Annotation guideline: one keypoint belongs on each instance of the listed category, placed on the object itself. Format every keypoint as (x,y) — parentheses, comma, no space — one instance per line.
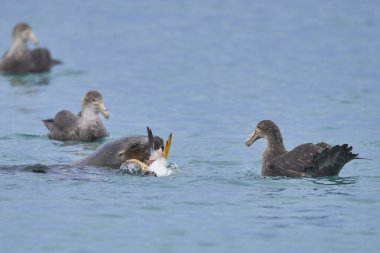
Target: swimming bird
(86,126)
(306,160)
(156,165)
(20,59)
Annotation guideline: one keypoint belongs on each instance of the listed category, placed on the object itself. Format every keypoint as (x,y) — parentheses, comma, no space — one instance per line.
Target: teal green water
(207,71)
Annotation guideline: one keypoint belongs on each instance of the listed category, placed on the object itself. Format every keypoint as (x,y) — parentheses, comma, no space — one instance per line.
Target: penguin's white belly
(160,167)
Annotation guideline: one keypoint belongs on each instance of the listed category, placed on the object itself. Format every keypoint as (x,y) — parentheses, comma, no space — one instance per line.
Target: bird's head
(94,100)
(23,32)
(264,129)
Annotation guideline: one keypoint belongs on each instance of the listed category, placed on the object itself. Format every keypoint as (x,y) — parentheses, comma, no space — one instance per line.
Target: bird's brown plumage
(304,160)
(86,126)
(19,59)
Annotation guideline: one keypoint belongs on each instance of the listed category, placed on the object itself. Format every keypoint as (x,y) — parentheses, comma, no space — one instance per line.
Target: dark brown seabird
(306,160)
(87,126)
(19,59)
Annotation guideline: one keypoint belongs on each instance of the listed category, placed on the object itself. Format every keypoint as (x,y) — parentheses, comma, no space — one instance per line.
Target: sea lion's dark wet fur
(112,154)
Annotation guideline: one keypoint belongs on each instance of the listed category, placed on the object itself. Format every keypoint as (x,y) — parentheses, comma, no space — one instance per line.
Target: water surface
(207,71)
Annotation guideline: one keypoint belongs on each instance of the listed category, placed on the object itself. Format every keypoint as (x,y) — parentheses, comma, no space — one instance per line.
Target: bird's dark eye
(93,100)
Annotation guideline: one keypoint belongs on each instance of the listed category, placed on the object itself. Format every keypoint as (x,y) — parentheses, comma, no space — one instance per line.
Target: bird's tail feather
(55,62)
(331,161)
(48,123)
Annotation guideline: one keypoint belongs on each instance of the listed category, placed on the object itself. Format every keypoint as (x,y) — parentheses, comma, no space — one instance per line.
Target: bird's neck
(18,48)
(274,148)
(88,115)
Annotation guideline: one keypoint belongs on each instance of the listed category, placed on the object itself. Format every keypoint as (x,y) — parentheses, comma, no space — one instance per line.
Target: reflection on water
(68,72)
(67,170)
(32,79)
(71,172)
(86,146)
(334,180)
(21,137)
(37,168)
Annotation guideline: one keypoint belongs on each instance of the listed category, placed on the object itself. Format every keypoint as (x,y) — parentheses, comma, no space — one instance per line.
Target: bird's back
(311,160)
(42,60)
(62,127)
(293,163)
